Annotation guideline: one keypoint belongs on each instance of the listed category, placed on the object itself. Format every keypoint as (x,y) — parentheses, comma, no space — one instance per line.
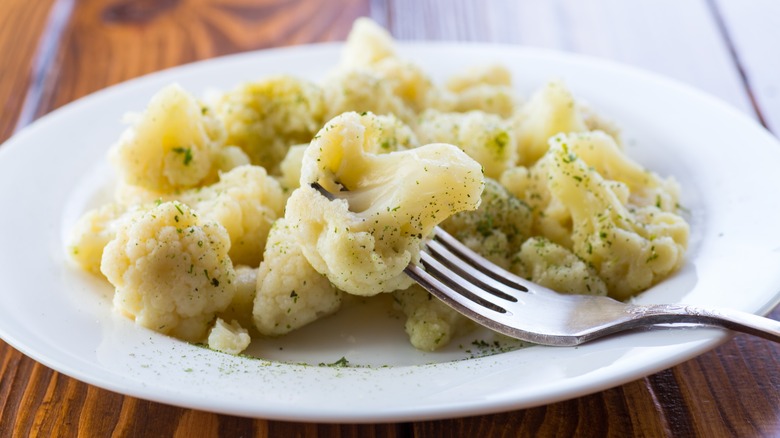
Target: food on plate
(497,228)
(631,246)
(556,267)
(171,270)
(265,117)
(228,337)
(290,293)
(429,323)
(177,143)
(216,234)
(485,137)
(385,206)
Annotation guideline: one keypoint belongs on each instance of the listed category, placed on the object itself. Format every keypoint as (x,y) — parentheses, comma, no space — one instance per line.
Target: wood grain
(642,34)
(21,28)
(731,391)
(110,41)
(749,27)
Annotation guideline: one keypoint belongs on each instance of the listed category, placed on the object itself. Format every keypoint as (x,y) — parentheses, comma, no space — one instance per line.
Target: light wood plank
(754,30)
(677,39)
(720,393)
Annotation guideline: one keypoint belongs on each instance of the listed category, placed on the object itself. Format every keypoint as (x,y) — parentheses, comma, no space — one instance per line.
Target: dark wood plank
(108,42)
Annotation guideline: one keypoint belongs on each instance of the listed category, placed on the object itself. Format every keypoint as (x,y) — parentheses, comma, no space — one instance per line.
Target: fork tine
(477,261)
(474,307)
(454,281)
(465,268)
(461,299)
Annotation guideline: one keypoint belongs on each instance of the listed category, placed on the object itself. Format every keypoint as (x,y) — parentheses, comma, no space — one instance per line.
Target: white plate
(53,170)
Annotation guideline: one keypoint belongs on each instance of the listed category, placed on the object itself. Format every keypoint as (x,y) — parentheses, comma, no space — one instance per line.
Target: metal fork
(516,307)
(509,304)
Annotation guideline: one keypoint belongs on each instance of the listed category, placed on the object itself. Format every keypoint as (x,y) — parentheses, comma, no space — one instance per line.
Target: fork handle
(726,318)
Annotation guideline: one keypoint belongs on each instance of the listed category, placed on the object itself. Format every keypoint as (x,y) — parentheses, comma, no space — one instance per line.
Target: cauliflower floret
(360,90)
(551,219)
(92,232)
(603,153)
(363,241)
(484,137)
(228,158)
(550,111)
(266,117)
(632,248)
(386,131)
(240,308)
(596,122)
(630,182)
(371,47)
(485,88)
(228,338)
(557,268)
(246,201)
(496,229)
(366,44)
(496,75)
(290,167)
(492,99)
(410,83)
(290,293)
(175,144)
(430,323)
(171,271)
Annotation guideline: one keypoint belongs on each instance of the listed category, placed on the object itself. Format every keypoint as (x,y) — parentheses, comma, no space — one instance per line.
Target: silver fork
(516,307)
(508,304)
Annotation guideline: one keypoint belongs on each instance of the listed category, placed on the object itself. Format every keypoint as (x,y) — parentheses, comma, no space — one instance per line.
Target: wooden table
(55,51)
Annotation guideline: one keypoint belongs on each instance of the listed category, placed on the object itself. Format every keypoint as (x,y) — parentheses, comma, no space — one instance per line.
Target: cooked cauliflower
(367,43)
(631,183)
(485,88)
(228,338)
(360,90)
(290,293)
(92,232)
(557,268)
(371,47)
(550,111)
(631,248)
(175,144)
(171,271)
(240,308)
(266,117)
(290,167)
(410,83)
(603,153)
(204,187)
(484,137)
(386,131)
(596,122)
(496,229)
(363,241)
(430,323)
(246,201)
(551,218)
(492,99)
